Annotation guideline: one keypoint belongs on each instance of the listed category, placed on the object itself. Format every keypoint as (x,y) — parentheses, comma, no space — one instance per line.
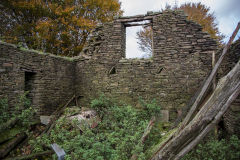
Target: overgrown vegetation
(213,149)
(117,136)
(59,27)
(22,111)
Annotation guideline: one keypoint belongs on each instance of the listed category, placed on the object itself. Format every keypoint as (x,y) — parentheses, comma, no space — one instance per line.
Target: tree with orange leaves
(200,13)
(57,26)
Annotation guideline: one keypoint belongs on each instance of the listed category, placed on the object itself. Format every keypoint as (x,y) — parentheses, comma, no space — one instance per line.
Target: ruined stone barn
(182,59)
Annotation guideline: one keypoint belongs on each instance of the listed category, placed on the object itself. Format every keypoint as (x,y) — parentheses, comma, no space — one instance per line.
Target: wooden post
(208,82)
(213,64)
(152,41)
(175,142)
(76,100)
(210,114)
(214,86)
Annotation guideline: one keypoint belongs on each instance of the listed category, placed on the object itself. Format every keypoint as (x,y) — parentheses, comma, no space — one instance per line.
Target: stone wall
(49,79)
(181,60)
(231,118)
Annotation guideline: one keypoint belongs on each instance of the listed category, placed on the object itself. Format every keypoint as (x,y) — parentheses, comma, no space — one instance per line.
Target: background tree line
(62,27)
(57,26)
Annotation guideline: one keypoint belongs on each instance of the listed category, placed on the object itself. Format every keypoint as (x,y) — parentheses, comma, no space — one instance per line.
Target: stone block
(59,151)
(7,65)
(164,116)
(235,108)
(45,119)
(2,70)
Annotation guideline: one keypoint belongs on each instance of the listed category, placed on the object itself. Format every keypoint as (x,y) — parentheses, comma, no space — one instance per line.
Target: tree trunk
(209,115)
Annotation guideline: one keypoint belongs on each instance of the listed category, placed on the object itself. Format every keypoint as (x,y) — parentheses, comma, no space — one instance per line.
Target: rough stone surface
(49,80)
(45,119)
(181,61)
(164,116)
(231,118)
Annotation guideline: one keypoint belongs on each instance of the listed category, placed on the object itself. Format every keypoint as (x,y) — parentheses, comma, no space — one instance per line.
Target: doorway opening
(29,84)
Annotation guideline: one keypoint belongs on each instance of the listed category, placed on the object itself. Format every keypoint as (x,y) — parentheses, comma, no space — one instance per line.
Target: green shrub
(214,149)
(117,136)
(101,105)
(149,109)
(22,111)
(4,112)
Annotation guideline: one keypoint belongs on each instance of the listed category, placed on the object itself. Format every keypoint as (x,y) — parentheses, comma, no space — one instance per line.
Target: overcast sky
(227,14)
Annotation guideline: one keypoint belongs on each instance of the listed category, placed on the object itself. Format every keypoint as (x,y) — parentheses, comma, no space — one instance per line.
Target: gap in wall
(132,47)
(29,84)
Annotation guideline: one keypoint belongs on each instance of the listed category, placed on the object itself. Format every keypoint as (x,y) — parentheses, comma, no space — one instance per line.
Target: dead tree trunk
(209,115)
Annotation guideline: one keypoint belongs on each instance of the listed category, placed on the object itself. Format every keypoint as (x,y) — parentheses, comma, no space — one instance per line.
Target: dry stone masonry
(231,119)
(49,79)
(181,60)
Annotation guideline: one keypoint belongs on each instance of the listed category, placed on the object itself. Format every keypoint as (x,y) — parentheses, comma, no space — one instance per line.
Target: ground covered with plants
(15,123)
(117,136)
(215,149)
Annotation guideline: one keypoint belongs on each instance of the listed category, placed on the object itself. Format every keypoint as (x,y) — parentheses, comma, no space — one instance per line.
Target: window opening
(139,39)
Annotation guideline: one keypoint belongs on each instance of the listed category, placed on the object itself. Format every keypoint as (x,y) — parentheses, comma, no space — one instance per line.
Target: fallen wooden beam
(55,116)
(208,128)
(9,124)
(195,101)
(209,80)
(145,134)
(208,116)
(31,156)
(11,144)
(148,129)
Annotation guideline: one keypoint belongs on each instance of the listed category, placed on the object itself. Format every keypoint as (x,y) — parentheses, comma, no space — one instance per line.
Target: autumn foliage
(201,14)
(57,26)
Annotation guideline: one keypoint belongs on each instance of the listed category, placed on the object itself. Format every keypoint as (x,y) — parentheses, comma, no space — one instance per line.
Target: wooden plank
(209,80)
(137,24)
(55,115)
(225,93)
(213,64)
(145,134)
(135,19)
(8,146)
(31,156)
(10,123)
(148,129)
(209,127)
